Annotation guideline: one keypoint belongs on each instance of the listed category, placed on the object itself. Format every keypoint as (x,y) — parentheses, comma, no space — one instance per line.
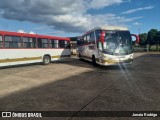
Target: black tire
(94,61)
(80,57)
(46,60)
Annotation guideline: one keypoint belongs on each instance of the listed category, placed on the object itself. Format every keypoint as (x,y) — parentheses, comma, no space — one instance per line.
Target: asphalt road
(74,85)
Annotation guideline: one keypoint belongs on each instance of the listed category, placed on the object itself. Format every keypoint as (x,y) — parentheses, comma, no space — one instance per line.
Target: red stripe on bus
(32,35)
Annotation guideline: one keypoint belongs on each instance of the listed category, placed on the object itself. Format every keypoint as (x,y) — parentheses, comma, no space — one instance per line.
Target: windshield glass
(117,43)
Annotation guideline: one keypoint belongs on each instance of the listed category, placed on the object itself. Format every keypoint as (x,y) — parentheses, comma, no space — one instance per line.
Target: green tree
(143,39)
(152,37)
(157,40)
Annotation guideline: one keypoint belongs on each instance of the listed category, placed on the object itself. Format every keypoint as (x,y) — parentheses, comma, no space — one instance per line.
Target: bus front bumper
(114,62)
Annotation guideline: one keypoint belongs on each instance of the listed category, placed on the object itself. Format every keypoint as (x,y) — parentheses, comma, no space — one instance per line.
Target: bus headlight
(106,58)
(131,56)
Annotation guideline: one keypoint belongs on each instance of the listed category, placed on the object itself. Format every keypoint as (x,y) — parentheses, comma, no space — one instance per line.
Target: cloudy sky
(74,17)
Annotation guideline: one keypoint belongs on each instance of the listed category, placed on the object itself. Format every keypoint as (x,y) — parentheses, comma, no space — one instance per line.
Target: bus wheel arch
(94,60)
(46,59)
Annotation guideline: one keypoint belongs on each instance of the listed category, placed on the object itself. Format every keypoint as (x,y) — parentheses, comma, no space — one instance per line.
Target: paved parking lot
(74,85)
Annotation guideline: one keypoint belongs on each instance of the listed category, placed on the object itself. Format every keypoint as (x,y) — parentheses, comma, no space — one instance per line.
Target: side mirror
(102,35)
(136,36)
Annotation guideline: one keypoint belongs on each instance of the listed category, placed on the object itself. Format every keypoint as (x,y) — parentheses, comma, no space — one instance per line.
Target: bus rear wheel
(94,60)
(46,60)
(80,57)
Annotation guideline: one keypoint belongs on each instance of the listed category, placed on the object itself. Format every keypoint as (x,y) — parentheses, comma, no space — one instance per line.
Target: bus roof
(105,28)
(111,28)
(32,35)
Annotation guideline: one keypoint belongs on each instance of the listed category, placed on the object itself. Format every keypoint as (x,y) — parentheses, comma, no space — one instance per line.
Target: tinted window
(12,42)
(29,42)
(85,39)
(88,38)
(1,45)
(91,37)
(97,32)
(67,45)
(43,43)
(54,44)
(79,41)
(62,44)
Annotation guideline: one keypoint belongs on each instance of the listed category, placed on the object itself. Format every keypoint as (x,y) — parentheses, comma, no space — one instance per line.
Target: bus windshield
(117,42)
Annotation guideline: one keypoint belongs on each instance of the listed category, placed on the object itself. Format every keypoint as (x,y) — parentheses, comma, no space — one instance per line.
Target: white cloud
(137,9)
(97,4)
(63,15)
(137,23)
(21,31)
(130,19)
(31,32)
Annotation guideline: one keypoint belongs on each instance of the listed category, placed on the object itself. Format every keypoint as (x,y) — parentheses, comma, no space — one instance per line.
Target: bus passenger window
(12,42)
(88,38)
(91,37)
(39,43)
(97,33)
(54,44)
(51,43)
(1,45)
(16,42)
(66,43)
(45,43)
(61,44)
(29,42)
(85,39)
(42,43)
(80,41)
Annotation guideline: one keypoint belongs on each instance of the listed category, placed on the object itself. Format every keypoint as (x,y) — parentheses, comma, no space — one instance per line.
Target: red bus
(22,48)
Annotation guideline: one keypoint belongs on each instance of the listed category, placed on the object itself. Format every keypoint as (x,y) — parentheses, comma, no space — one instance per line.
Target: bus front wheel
(94,60)
(46,60)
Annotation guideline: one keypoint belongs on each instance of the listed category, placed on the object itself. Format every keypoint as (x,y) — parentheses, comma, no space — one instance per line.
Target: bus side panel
(24,56)
(86,51)
(3,58)
(81,50)
(21,56)
(55,54)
